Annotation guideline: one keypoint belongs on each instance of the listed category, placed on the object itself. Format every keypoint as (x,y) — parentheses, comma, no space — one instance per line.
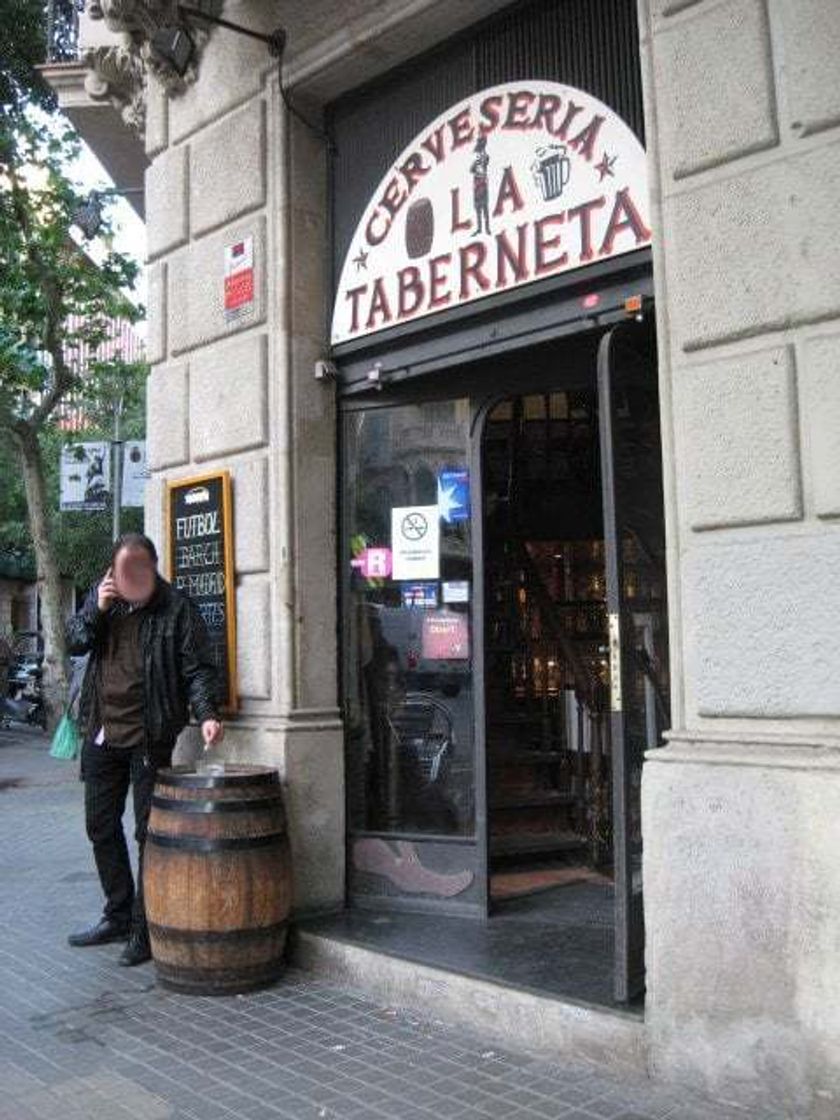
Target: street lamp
(88,215)
(175,46)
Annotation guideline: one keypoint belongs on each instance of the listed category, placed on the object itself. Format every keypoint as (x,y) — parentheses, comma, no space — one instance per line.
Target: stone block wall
(743,947)
(240,394)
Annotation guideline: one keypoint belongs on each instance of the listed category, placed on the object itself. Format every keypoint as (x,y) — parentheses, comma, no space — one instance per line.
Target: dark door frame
(629,968)
(626,980)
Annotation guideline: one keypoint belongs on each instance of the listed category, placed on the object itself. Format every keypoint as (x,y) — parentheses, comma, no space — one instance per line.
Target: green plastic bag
(65,741)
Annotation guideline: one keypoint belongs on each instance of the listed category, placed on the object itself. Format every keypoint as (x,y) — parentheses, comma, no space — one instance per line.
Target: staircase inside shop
(546,722)
(546,663)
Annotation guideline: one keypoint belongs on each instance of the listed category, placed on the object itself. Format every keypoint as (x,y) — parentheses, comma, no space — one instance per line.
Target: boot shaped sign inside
(514,184)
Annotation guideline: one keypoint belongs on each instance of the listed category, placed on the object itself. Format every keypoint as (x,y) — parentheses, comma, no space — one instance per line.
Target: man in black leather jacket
(149,662)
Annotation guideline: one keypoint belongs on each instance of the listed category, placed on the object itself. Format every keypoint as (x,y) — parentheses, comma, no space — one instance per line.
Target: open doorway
(572,502)
(546,652)
(498,702)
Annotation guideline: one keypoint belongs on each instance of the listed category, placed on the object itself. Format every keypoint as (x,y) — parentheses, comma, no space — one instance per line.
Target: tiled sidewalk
(83,1039)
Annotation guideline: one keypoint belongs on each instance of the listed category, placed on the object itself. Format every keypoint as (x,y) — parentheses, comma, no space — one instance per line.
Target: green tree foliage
(82,539)
(23,46)
(56,305)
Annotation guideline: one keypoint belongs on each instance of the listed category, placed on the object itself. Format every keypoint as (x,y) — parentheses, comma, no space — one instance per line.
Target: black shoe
(105,930)
(137,951)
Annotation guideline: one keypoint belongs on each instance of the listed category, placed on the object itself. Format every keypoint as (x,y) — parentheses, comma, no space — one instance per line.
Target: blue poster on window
(423,595)
(454,495)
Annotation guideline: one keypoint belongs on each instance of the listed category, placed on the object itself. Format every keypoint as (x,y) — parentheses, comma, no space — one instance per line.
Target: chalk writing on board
(200,555)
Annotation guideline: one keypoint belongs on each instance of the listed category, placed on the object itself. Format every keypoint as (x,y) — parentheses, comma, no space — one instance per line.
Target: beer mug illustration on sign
(551,170)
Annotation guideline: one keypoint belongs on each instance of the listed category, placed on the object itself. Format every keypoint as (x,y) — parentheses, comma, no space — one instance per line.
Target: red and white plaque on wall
(239,278)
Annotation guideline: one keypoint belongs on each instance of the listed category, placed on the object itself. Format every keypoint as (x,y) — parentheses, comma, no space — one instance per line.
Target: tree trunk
(54,679)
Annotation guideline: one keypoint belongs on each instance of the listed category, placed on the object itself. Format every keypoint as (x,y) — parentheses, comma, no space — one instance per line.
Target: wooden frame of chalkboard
(199,555)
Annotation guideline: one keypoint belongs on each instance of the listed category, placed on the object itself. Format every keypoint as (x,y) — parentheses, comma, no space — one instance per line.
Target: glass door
(634,540)
(415,788)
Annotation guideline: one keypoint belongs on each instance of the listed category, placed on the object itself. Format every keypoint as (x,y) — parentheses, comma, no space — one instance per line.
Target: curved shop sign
(516,183)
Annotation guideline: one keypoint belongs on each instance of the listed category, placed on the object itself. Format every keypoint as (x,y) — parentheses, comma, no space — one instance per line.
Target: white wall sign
(85,476)
(415,542)
(516,183)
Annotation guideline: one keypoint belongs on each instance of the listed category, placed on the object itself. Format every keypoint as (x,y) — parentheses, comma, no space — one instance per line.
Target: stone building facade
(222,396)
(741,808)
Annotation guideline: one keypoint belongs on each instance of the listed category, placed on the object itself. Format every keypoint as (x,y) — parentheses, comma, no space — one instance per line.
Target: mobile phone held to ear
(107,592)
(114,576)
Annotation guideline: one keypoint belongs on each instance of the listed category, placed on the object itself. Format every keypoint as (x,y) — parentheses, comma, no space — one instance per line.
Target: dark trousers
(107,773)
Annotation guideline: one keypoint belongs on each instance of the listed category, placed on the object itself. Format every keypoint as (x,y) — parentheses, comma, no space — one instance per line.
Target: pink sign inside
(446,636)
(373,563)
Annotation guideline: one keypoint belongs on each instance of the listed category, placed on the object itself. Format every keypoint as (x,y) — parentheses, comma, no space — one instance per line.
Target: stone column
(227,165)
(741,811)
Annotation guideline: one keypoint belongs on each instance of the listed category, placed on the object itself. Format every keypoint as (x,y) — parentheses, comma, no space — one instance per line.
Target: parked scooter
(23,701)
(25,710)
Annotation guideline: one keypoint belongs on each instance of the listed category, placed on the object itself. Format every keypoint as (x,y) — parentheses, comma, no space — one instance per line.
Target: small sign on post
(199,522)
(85,476)
(135,473)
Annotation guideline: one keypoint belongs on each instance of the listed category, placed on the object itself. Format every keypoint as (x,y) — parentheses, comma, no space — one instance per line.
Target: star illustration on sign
(448,501)
(361,260)
(605,167)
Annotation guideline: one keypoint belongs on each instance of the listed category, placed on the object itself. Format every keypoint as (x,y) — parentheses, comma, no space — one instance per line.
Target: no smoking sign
(415,542)
(414,526)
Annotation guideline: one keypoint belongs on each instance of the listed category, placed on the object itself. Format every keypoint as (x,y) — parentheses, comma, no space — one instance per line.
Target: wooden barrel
(419,228)
(217,879)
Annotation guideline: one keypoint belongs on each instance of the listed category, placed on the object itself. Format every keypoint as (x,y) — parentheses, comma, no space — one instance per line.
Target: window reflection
(408,641)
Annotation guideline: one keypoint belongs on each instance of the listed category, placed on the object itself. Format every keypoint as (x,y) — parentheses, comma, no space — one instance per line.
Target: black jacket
(179,670)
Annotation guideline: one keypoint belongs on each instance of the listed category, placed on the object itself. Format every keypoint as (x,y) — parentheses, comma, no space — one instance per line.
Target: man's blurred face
(134,574)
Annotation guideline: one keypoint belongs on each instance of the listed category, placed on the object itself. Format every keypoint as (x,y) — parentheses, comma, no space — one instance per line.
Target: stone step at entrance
(514,1018)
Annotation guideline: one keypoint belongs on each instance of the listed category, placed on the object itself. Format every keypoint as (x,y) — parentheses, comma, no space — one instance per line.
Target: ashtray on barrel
(217,878)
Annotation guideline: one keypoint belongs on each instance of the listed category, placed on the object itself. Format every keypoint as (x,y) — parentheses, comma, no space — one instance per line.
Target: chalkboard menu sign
(200,553)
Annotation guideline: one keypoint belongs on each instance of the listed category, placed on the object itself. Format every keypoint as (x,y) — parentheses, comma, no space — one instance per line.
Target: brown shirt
(121,692)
